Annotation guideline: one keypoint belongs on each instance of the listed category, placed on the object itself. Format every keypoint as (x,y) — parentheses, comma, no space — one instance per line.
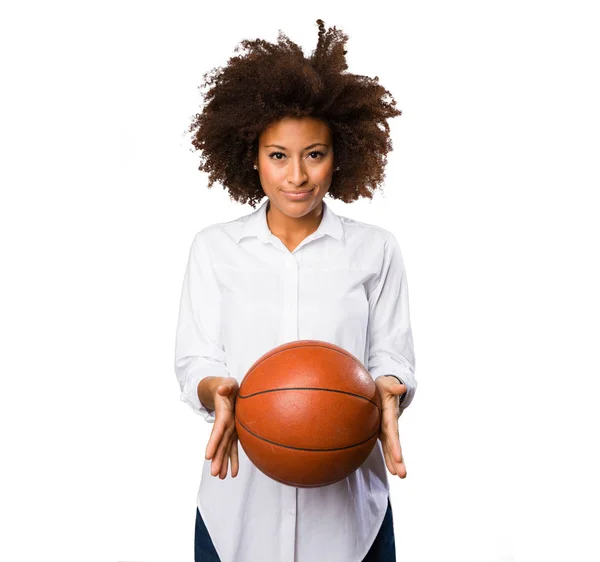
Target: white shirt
(245,293)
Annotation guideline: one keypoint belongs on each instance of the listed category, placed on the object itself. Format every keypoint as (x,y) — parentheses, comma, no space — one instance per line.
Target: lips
(302,195)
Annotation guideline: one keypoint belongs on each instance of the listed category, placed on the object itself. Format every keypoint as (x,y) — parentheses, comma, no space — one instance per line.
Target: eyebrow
(284,148)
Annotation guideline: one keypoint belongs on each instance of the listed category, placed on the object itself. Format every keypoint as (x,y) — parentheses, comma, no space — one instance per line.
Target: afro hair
(269,81)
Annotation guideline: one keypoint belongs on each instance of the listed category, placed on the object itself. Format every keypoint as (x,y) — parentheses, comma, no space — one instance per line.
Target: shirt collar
(255,224)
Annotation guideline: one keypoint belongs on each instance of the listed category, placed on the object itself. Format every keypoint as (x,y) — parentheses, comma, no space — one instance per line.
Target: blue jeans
(383,548)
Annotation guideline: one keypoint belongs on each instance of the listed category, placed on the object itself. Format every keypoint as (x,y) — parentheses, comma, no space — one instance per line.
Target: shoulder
(220,231)
(217,242)
(360,232)
(372,246)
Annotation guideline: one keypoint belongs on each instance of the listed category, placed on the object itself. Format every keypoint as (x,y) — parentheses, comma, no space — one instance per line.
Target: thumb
(223,389)
(400,388)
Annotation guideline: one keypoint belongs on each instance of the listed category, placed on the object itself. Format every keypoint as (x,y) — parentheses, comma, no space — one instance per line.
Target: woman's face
(295,154)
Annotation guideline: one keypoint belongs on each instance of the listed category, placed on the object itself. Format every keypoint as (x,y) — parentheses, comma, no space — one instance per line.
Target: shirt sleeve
(199,352)
(391,350)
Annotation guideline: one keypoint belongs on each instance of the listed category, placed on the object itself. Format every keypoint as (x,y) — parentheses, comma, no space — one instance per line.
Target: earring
(255,167)
(337,169)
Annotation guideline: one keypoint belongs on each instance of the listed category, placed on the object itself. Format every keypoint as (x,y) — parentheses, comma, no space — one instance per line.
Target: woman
(293,129)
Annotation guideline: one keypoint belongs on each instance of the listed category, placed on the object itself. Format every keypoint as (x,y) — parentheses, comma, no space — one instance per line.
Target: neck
(292,228)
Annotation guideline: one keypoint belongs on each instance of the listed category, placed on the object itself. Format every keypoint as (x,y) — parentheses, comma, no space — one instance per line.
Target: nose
(296,173)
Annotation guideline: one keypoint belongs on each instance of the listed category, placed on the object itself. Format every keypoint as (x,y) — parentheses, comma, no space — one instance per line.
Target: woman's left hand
(390,390)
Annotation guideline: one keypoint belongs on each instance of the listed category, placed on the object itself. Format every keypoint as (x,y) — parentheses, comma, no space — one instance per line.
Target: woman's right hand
(223,443)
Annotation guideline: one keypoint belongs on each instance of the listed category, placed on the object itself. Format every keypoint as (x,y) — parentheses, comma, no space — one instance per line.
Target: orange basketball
(307,413)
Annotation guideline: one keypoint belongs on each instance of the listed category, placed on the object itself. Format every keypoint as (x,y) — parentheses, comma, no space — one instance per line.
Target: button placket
(290,299)
(288,523)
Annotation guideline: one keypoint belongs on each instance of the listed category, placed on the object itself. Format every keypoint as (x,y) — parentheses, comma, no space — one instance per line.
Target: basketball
(307,413)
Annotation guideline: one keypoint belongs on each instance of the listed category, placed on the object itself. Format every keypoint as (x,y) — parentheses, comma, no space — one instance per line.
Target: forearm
(206,390)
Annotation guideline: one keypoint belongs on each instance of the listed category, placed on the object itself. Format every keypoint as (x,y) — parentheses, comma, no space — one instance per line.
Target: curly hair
(271,81)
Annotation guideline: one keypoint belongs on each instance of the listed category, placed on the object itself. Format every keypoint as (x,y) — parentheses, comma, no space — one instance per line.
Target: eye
(275,155)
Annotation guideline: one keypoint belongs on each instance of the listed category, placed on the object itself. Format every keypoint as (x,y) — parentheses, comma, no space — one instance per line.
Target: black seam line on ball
(327,450)
(242,396)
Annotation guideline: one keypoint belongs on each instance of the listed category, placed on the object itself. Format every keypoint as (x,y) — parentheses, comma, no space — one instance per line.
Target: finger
(388,460)
(399,453)
(220,453)
(215,438)
(225,463)
(217,461)
(235,460)
(393,450)
(399,457)
(400,464)
(385,446)
(401,468)
(393,437)
(396,468)
(226,391)
(395,388)
(398,388)
(395,446)
(215,466)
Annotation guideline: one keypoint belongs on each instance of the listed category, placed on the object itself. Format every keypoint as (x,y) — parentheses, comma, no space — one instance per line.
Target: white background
(491,190)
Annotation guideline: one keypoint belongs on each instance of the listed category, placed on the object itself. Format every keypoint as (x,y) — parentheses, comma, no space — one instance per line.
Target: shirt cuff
(189,395)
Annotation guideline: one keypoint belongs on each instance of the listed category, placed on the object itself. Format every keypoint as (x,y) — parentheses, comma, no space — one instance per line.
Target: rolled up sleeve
(199,352)
(391,350)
